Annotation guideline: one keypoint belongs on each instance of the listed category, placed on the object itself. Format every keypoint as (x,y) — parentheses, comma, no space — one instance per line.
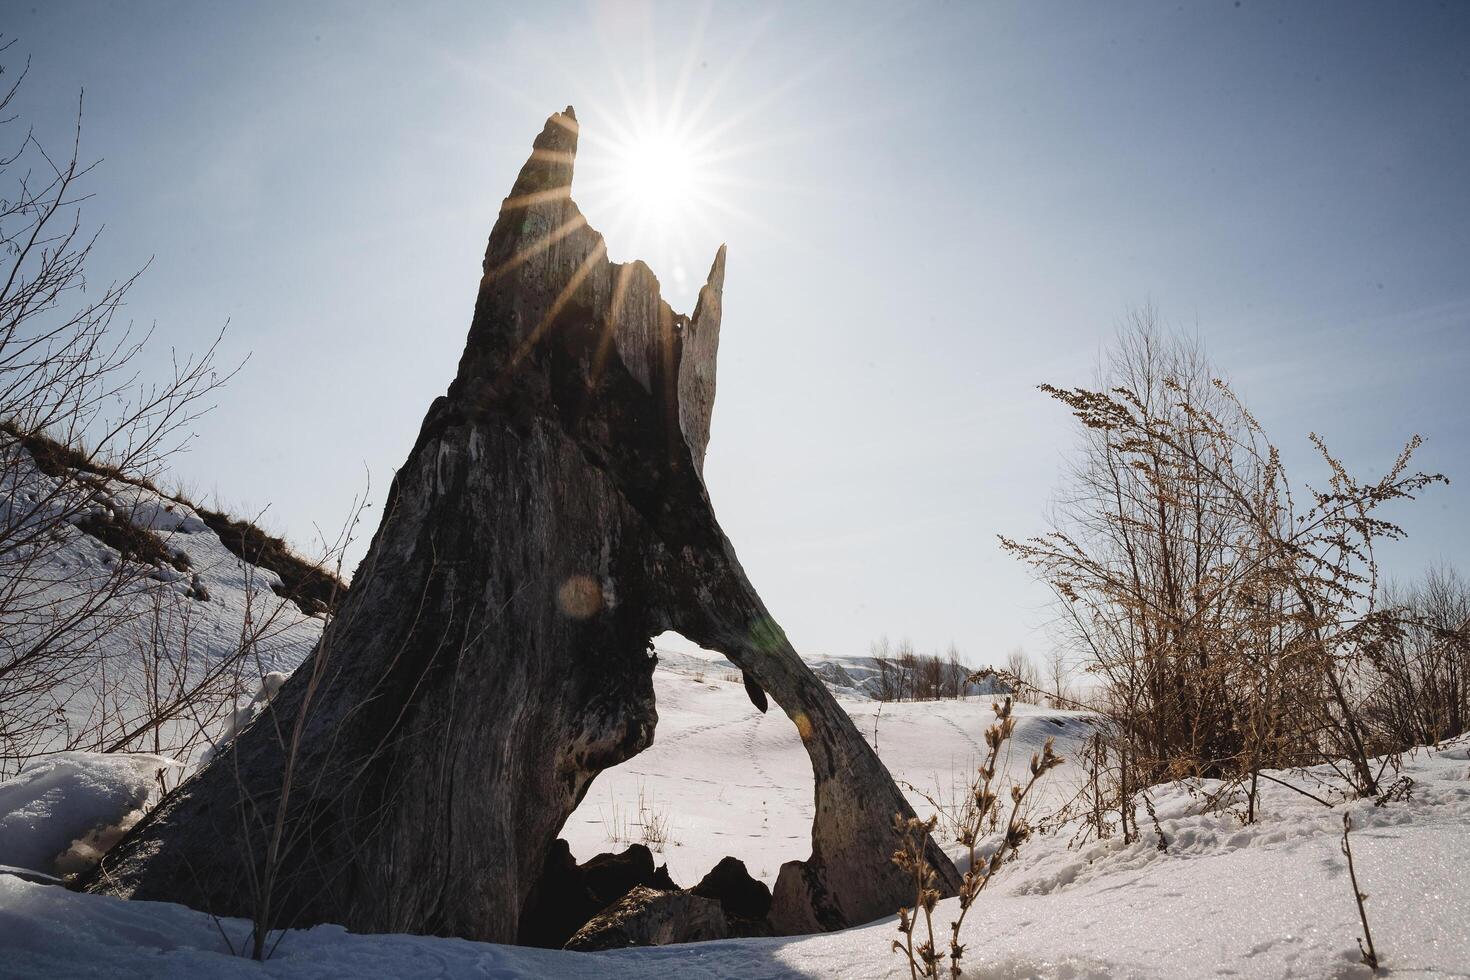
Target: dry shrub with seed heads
(1229,614)
(925,959)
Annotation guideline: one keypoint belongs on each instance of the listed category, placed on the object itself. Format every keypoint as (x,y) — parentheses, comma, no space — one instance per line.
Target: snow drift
(62,811)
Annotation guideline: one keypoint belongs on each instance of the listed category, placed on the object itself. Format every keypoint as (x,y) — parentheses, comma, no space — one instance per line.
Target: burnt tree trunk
(493,655)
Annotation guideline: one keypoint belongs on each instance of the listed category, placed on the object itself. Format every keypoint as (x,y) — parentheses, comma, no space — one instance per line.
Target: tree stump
(493,655)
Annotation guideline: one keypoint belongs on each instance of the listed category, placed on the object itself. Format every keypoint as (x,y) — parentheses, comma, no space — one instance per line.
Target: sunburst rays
(684,144)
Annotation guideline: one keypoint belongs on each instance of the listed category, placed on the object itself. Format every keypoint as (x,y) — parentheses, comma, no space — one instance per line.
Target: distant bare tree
(956,674)
(905,674)
(907,662)
(1423,668)
(882,655)
(1058,674)
(1024,671)
(931,678)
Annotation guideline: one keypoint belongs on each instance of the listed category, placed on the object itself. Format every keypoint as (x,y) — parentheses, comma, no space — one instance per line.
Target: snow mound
(65,809)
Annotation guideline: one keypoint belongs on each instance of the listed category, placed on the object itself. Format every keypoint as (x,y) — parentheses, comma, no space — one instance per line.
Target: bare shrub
(276,826)
(1232,626)
(615,822)
(75,419)
(655,823)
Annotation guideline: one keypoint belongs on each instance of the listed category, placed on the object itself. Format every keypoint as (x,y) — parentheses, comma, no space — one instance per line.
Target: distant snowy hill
(856,676)
(862,676)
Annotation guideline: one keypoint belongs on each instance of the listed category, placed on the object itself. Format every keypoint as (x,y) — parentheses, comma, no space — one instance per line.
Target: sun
(657,187)
(671,160)
(662,178)
(658,173)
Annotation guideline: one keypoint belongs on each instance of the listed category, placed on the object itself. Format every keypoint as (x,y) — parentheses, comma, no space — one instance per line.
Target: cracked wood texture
(493,655)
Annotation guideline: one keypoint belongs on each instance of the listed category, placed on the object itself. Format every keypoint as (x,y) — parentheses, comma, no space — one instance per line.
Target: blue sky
(930,209)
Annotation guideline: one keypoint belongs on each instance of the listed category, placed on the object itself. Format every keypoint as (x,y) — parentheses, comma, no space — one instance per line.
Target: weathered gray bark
(493,654)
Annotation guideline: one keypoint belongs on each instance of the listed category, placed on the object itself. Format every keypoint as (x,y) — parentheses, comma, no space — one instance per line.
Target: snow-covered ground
(723,779)
(1268,900)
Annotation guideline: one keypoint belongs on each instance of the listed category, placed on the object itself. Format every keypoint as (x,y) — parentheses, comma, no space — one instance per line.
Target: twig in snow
(1370,955)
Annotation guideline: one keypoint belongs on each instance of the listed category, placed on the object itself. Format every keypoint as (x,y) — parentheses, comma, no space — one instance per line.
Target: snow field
(1269,900)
